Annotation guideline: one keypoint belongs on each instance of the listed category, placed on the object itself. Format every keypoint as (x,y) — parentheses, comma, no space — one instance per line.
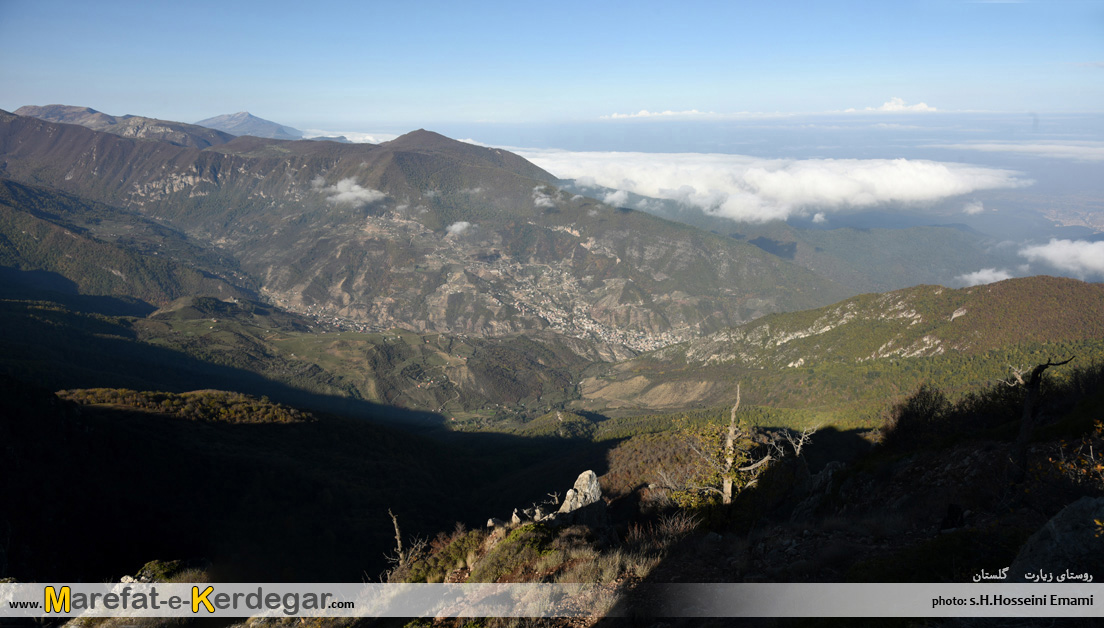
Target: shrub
(1082,462)
(448,553)
(920,420)
(519,550)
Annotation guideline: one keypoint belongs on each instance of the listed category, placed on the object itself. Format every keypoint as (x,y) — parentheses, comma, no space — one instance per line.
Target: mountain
(331,292)
(422,232)
(245,123)
(915,322)
(333,138)
(138,127)
(47,233)
(867,348)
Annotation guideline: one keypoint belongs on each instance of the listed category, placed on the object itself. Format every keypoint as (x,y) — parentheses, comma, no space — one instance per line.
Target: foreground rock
(1070,543)
(586,491)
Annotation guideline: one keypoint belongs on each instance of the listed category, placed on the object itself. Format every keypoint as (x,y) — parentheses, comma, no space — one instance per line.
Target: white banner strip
(550,600)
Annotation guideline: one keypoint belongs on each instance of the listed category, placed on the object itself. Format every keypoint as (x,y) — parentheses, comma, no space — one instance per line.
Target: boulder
(585,492)
(819,491)
(1070,543)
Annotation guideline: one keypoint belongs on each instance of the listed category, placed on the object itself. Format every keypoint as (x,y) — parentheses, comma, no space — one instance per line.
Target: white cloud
(1075,150)
(983,276)
(893,125)
(347,192)
(478,190)
(644,113)
(973,207)
(1079,257)
(457,228)
(820,218)
(542,198)
(897,105)
(356,137)
(755,189)
(616,199)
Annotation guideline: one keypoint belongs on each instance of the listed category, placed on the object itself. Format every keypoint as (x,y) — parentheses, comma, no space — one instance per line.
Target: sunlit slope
(423,232)
(868,347)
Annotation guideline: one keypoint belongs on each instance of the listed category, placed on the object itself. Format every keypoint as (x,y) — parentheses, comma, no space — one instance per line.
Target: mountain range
(489,244)
(130,126)
(446,331)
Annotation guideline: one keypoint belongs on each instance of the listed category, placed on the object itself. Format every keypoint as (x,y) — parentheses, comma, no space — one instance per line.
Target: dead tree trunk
(1030,416)
(399,554)
(730,453)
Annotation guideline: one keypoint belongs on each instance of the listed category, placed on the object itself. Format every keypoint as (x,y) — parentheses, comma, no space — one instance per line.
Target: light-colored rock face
(1067,544)
(585,492)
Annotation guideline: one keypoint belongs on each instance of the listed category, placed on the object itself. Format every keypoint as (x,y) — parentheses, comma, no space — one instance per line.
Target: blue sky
(377,64)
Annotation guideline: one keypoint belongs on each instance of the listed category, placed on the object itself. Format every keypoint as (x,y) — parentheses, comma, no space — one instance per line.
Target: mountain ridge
(245,123)
(130,126)
(905,337)
(491,245)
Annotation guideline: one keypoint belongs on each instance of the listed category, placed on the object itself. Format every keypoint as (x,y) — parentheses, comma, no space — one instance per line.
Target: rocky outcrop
(585,492)
(583,505)
(1070,543)
(819,491)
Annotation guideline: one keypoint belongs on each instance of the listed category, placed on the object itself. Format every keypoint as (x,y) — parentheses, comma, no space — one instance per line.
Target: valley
(446,331)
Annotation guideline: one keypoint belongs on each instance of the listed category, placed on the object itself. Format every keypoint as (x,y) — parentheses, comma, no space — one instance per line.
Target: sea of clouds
(755,189)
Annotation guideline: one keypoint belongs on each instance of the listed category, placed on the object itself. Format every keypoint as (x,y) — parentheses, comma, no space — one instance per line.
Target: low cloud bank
(356,137)
(457,228)
(896,105)
(983,276)
(973,208)
(644,113)
(1072,150)
(1078,257)
(756,190)
(542,198)
(617,199)
(347,192)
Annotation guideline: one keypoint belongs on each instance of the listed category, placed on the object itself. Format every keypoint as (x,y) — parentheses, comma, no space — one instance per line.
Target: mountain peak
(423,139)
(245,123)
(68,114)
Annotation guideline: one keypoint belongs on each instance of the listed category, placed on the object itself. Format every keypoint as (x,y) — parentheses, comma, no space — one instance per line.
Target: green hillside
(45,231)
(853,355)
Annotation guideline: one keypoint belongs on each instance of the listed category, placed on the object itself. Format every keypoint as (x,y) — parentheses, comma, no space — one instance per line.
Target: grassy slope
(852,356)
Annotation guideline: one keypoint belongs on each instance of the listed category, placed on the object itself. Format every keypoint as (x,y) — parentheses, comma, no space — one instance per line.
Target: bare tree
(400,556)
(1030,416)
(401,559)
(730,464)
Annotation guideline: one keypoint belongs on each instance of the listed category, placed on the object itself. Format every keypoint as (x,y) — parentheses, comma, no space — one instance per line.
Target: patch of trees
(204,405)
